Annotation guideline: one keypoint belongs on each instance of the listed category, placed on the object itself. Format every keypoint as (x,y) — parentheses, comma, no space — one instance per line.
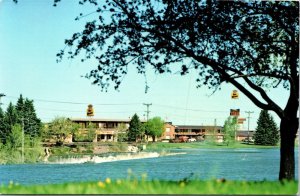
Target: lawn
(162,145)
(133,186)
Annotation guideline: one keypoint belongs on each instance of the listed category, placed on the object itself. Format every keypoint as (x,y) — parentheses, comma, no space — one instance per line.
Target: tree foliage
(255,43)
(91,131)
(154,127)
(266,131)
(32,124)
(136,129)
(122,132)
(230,128)
(8,120)
(2,126)
(15,137)
(61,127)
(11,152)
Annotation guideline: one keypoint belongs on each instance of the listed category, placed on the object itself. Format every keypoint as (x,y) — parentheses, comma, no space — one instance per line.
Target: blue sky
(33,31)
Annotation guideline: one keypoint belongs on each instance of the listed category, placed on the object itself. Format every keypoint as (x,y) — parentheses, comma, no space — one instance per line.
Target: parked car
(183,138)
(192,140)
(248,140)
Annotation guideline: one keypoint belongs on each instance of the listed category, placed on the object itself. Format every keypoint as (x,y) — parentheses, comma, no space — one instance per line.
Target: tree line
(137,131)
(20,133)
(22,114)
(266,132)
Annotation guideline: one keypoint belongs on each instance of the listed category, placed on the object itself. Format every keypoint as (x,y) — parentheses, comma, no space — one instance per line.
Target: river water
(234,164)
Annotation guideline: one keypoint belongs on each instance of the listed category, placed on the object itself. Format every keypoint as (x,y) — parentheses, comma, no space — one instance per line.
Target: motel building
(244,134)
(198,133)
(107,129)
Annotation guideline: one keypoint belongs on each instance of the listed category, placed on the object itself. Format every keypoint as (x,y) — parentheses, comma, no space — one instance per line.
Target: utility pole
(23,140)
(148,111)
(249,113)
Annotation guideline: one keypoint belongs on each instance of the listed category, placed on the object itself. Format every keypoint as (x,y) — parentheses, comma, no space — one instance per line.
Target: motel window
(168,129)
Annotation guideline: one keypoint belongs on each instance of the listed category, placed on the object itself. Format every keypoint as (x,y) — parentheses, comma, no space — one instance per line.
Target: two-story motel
(107,130)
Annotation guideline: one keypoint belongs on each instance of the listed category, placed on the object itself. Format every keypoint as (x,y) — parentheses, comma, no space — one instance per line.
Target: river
(233,164)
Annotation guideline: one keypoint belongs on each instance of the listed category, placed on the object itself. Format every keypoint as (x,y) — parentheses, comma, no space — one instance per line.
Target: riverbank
(79,149)
(133,186)
(164,146)
(108,148)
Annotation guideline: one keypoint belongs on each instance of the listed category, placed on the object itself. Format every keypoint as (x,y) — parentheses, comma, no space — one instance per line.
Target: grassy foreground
(157,187)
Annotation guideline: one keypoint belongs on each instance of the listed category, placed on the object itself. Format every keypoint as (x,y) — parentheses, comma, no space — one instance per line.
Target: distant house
(243,134)
(199,132)
(106,129)
(169,132)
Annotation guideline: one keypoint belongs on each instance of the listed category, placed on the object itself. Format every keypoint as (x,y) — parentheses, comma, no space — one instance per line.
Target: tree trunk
(153,138)
(288,130)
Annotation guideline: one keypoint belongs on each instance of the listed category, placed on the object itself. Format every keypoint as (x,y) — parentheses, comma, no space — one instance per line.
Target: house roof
(244,133)
(107,120)
(197,127)
(101,120)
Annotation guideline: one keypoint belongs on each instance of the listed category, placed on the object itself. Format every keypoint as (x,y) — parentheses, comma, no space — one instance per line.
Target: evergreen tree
(2,127)
(266,130)
(27,117)
(135,128)
(32,124)
(9,119)
(20,109)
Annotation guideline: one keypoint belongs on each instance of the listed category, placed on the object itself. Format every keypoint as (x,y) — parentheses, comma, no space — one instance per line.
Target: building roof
(197,127)
(101,120)
(244,133)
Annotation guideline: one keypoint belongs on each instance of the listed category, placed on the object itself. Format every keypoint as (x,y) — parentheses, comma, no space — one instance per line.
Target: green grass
(157,187)
(162,145)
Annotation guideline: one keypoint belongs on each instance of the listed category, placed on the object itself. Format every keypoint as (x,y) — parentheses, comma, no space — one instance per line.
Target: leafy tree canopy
(230,128)
(154,127)
(224,41)
(62,127)
(255,43)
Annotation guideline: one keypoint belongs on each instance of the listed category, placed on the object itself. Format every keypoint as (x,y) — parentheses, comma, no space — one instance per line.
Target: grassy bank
(157,187)
(164,146)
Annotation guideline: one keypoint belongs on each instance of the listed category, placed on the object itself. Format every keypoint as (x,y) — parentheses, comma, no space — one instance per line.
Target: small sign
(241,120)
(234,112)
(90,110)
(234,94)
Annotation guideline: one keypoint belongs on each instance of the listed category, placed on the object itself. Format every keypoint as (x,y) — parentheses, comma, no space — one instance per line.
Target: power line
(195,110)
(76,103)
